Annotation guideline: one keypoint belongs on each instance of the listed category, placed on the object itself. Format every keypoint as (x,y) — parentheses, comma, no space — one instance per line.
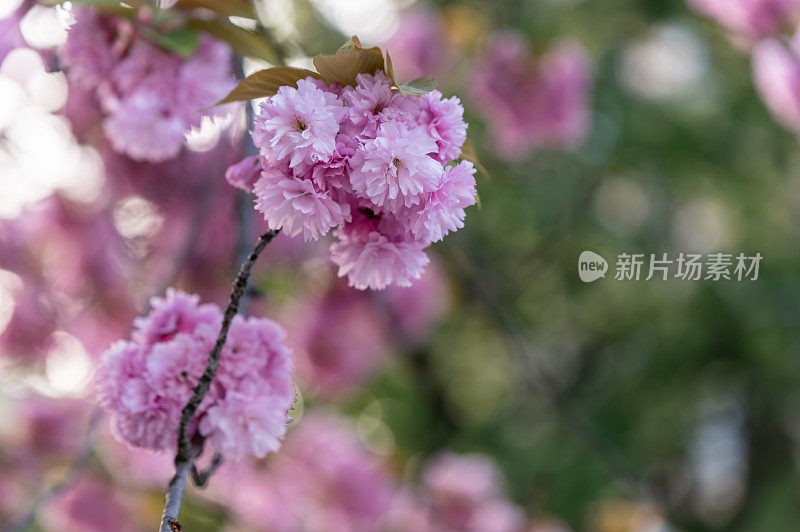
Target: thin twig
(187,452)
(73,474)
(244,201)
(190,240)
(200,478)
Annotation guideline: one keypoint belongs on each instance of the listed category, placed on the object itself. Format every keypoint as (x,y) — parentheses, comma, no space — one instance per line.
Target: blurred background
(499,393)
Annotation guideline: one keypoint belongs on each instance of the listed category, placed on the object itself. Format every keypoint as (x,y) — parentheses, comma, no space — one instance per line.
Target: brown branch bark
(200,478)
(187,452)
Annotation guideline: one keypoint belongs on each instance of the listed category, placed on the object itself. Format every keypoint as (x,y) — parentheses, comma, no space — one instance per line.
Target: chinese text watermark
(664,266)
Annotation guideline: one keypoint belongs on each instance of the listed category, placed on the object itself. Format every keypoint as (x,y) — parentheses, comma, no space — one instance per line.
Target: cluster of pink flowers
(760,25)
(376,164)
(150,97)
(145,382)
(529,102)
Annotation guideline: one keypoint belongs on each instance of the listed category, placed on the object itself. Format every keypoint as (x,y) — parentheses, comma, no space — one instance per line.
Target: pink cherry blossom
(371,260)
(368,161)
(299,124)
(372,102)
(395,168)
(244,174)
(145,383)
(443,209)
(443,120)
(297,206)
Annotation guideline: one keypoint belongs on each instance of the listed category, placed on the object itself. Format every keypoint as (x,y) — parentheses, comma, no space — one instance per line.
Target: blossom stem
(187,452)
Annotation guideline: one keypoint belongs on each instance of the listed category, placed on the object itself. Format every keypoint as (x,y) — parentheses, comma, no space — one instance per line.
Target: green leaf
(265,83)
(347,63)
(183,41)
(418,86)
(468,154)
(246,42)
(415,87)
(390,69)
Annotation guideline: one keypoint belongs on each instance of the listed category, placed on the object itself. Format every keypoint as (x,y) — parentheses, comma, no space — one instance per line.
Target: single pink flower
(298,125)
(443,209)
(297,206)
(244,174)
(395,169)
(376,262)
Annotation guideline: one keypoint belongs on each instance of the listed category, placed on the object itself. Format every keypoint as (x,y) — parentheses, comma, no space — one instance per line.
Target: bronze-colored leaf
(225,8)
(418,86)
(265,83)
(246,42)
(345,65)
(468,154)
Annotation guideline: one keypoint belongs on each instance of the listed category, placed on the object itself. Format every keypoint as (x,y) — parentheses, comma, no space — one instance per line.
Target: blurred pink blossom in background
(531,102)
(466,493)
(418,47)
(323,480)
(150,97)
(750,18)
(339,341)
(91,505)
(776,73)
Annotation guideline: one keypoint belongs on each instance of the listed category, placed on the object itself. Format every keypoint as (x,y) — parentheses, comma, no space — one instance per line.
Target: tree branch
(187,452)
(200,478)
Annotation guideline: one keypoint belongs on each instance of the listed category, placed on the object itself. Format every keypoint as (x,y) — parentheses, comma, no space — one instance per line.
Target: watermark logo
(663,266)
(591,266)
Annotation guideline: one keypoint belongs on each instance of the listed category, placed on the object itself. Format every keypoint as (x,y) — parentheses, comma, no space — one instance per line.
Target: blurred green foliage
(641,361)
